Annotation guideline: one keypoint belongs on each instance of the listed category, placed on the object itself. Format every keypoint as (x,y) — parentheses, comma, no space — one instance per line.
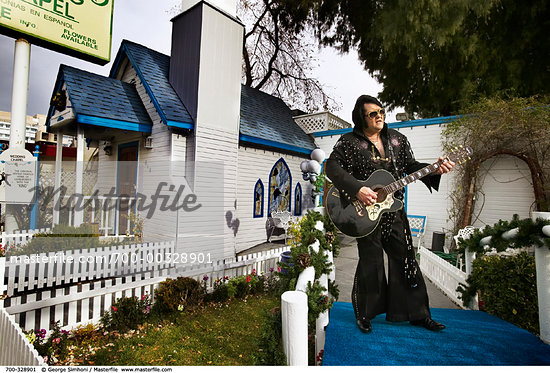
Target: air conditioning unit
(44,137)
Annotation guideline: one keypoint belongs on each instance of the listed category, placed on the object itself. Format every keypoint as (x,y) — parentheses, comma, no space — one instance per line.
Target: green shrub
(270,343)
(127,313)
(178,294)
(62,238)
(508,288)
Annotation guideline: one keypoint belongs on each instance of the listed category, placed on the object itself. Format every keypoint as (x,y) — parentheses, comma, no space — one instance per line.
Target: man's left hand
(445,166)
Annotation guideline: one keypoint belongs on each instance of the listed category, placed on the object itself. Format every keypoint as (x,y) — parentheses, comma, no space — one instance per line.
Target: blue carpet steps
(471,338)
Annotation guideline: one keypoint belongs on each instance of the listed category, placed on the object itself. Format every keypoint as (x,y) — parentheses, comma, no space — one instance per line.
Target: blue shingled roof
(152,68)
(265,120)
(100,100)
(268,118)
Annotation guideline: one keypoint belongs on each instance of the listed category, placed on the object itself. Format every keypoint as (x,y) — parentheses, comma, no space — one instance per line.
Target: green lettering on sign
(5,13)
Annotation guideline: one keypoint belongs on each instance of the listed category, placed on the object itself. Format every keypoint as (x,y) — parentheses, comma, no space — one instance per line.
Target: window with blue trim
(280,181)
(298,200)
(259,199)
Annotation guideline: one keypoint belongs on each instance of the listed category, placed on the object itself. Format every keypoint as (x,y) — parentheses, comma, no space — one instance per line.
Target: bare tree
(278,61)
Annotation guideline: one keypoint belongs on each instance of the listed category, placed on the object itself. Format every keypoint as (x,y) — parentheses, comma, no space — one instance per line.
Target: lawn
(216,334)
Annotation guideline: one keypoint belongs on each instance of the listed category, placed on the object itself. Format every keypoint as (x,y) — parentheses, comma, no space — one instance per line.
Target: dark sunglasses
(373,114)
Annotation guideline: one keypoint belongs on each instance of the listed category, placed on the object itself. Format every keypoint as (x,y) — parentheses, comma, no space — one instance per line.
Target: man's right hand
(367,196)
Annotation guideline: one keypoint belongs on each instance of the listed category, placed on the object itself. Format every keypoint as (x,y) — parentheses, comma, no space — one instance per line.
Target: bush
(178,294)
(508,288)
(127,313)
(62,238)
(53,348)
(270,344)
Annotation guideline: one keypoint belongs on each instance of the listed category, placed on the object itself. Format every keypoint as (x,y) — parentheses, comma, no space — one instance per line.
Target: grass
(215,334)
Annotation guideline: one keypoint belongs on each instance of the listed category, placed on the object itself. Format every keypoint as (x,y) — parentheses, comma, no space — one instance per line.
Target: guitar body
(354,218)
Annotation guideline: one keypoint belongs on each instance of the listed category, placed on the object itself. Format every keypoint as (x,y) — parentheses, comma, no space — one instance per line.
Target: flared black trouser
(372,294)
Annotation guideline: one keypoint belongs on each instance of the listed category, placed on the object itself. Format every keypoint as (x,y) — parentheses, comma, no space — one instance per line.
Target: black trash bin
(438,241)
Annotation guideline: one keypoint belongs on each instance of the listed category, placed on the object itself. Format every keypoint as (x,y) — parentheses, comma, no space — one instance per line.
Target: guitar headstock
(460,154)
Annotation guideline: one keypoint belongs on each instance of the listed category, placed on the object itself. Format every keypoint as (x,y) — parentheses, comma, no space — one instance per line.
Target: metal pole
(20,93)
(34,211)
(19,97)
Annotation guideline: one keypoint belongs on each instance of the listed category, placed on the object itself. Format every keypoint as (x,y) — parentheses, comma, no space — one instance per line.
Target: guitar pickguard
(374,211)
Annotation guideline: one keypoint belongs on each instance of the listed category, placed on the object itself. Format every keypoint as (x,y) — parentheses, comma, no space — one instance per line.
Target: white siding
(153,164)
(256,164)
(326,143)
(506,187)
(426,145)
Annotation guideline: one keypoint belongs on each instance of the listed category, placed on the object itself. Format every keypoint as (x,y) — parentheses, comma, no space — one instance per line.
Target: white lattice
(320,122)
(335,123)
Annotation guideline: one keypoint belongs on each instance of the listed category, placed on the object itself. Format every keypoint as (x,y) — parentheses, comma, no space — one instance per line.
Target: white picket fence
(442,273)
(19,238)
(32,272)
(77,297)
(15,349)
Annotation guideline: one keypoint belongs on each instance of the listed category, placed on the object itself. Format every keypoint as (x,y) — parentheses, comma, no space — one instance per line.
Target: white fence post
(542,263)
(469,259)
(294,323)
(2,282)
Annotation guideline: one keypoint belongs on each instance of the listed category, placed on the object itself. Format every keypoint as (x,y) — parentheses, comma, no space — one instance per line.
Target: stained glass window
(298,200)
(259,199)
(280,181)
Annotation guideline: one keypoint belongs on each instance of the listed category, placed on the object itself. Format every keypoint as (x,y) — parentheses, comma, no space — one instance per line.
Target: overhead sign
(17,176)
(80,28)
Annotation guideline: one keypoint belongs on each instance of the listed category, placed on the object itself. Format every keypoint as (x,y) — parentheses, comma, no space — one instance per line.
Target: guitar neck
(401,183)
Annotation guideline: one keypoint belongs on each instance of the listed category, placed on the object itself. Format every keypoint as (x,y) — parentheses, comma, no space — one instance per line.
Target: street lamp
(312,169)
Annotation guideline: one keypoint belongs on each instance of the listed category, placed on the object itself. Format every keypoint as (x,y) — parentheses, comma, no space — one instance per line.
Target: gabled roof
(267,120)
(152,68)
(99,100)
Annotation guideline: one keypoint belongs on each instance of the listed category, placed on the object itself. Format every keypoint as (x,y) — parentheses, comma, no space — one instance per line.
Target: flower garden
(236,322)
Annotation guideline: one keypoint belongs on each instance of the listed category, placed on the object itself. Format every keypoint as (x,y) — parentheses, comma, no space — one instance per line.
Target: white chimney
(227,6)
(205,71)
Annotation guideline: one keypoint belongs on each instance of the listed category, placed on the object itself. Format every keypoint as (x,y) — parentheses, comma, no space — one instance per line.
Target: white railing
(293,308)
(106,211)
(317,122)
(31,272)
(19,238)
(442,273)
(16,349)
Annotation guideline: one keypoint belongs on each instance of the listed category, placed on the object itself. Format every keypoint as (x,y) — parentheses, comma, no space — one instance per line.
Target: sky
(148,23)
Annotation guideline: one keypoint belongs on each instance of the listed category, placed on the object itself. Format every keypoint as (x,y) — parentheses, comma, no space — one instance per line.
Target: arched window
(258,199)
(280,181)
(298,200)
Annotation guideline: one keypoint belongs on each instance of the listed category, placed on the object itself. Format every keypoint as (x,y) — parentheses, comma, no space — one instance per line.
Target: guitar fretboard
(401,183)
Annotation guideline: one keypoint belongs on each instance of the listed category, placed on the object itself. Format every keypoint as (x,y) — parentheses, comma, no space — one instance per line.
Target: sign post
(78,28)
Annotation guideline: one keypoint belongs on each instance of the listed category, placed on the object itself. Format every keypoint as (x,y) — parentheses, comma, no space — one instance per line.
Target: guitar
(356,219)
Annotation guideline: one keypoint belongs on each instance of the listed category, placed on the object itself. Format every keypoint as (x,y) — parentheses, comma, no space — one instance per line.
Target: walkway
(471,337)
(345,269)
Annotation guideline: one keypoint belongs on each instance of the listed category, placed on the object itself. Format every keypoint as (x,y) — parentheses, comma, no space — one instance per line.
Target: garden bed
(214,334)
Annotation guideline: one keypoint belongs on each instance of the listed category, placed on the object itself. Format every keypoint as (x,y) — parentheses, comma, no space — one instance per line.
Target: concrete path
(346,262)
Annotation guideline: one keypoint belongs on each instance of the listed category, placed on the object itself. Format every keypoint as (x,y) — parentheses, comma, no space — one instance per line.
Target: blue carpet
(471,338)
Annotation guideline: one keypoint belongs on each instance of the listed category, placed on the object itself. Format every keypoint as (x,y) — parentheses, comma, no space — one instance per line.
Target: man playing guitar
(356,156)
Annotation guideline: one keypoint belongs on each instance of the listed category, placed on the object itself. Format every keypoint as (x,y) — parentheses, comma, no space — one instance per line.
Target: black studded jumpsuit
(355,158)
